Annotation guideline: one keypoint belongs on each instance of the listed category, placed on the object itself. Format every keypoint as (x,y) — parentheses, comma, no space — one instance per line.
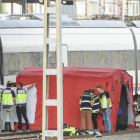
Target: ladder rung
(51,71)
(51,102)
(51,41)
(51,10)
(53,133)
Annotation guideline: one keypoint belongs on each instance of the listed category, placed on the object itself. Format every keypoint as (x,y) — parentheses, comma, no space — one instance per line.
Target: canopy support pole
(136,63)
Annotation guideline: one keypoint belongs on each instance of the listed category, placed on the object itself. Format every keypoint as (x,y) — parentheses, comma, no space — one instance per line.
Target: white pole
(44,125)
(123,10)
(139,7)
(45,66)
(59,71)
(98,6)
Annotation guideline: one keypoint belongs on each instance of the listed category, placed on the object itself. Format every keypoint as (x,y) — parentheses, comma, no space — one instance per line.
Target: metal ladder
(58,72)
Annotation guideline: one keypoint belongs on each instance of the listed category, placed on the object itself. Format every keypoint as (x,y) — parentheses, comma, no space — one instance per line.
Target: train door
(64,55)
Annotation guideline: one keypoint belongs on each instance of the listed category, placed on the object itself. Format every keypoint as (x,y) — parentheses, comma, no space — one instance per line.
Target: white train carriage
(27,36)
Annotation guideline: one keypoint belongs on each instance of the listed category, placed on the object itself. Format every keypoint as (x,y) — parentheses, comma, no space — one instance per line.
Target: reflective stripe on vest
(104,102)
(85,108)
(7,98)
(21,97)
(96,111)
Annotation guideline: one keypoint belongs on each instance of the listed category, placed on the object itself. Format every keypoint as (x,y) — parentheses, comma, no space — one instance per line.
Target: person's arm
(101,111)
(80,102)
(100,103)
(1,89)
(14,99)
(1,95)
(31,86)
(108,102)
(92,102)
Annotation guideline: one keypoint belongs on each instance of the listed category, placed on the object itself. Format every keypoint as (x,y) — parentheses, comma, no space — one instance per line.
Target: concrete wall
(14,63)
(110,59)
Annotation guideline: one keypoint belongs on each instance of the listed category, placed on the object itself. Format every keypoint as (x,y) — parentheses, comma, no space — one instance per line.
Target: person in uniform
(21,98)
(95,108)
(106,107)
(86,110)
(8,98)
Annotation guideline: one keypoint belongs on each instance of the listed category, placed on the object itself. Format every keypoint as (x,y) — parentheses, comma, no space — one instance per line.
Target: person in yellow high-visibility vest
(8,98)
(21,98)
(106,107)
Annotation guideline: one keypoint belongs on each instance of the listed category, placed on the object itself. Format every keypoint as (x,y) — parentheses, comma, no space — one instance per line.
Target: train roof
(136,23)
(37,21)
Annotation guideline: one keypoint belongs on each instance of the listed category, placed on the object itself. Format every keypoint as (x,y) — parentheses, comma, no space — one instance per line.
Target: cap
(9,84)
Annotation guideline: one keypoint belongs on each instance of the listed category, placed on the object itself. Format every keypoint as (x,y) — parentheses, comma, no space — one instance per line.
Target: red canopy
(75,81)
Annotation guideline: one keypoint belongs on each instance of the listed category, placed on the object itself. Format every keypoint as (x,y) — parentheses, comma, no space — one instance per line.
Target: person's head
(86,91)
(19,85)
(92,91)
(99,89)
(9,84)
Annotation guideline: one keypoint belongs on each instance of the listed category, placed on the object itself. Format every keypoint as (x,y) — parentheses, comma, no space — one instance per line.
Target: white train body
(73,39)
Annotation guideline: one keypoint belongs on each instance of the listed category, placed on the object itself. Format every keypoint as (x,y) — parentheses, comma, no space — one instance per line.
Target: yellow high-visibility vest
(104,102)
(21,97)
(7,97)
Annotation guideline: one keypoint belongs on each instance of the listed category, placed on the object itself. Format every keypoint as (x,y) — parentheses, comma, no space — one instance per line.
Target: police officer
(21,99)
(95,108)
(8,96)
(86,110)
(106,107)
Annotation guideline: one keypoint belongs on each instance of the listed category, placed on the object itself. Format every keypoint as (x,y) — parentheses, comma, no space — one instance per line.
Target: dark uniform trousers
(94,118)
(21,111)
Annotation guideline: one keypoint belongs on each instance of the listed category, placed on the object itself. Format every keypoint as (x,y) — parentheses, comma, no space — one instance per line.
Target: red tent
(75,81)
